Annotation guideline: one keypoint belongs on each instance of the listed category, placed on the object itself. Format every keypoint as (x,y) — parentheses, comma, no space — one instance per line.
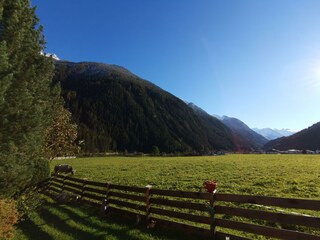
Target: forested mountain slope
(307,139)
(117,110)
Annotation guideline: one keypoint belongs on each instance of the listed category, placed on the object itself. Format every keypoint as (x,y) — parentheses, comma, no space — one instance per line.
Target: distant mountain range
(118,111)
(307,139)
(244,138)
(272,134)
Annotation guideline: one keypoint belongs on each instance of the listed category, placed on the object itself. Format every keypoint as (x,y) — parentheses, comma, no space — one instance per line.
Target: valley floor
(296,176)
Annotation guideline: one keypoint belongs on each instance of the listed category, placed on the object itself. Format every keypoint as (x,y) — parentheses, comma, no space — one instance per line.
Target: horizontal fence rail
(205,215)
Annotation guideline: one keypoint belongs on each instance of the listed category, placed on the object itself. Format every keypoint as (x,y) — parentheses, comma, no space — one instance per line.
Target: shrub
(8,217)
(28,202)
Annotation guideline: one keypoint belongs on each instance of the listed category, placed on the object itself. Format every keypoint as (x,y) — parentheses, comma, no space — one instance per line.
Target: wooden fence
(205,215)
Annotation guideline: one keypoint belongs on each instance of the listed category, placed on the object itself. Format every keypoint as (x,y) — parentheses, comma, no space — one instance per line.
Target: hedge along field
(296,176)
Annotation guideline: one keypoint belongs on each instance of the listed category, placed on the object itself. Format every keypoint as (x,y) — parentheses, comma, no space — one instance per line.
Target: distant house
(310,152)
(294,151)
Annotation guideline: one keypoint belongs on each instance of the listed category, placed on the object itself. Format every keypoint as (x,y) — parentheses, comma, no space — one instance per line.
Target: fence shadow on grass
(82,223)
(33,231)
(93,232)
(127,225)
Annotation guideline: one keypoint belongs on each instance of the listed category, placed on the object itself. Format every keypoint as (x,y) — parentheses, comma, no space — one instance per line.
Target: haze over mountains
(118,111)
(272,134)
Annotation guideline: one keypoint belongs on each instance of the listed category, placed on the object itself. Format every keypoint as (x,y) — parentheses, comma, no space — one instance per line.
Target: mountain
(244,137)
(307,139)
(117,110)
(214,126)
(272,134)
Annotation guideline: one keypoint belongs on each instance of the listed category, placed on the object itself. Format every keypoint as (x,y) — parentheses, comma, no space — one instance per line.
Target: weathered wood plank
(270,201)
(78,180)
(179,204)
(59,176)
(90,189)
(92,196)
(56,185)
(184,228)
(75,191)
(270,216)
(128,188)
(57,180)
(96,184)
(265,231)
(54,189)
(180,215)
(127,196)
(127,204)
(74,185)
(181,194)
(125,214)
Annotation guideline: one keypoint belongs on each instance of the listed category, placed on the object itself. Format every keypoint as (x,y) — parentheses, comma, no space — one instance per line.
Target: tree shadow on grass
(33,231)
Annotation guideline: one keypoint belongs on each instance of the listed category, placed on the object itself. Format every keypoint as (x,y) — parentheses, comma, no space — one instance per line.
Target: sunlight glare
(315,78)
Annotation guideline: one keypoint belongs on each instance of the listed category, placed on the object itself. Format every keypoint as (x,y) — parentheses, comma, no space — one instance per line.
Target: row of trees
(34,126)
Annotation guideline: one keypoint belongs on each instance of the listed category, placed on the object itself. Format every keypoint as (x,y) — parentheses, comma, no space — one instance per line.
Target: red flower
(210,185)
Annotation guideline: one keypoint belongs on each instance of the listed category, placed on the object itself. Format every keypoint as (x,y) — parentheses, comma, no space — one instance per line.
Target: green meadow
(268,175)
(296,176)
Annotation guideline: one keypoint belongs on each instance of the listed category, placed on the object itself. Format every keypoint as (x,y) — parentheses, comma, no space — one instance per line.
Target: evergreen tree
(155,151)
(26,97)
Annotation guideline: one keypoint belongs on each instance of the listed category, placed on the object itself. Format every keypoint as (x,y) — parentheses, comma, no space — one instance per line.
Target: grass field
(66,222)
(269,175)
(296,176)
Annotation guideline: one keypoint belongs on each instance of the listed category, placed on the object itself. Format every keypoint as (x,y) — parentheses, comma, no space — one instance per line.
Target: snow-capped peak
(52,55)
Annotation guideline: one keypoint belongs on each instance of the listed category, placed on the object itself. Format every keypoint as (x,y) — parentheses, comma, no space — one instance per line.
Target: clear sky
(256,60)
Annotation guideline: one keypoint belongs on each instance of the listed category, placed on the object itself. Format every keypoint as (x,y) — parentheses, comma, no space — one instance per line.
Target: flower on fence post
(210,186)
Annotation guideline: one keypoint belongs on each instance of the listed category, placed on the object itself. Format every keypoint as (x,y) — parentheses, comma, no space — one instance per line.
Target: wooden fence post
(50,181)
(64,180)
(83,189)
(212,214)
(148,214)
(105,203)
(53,176)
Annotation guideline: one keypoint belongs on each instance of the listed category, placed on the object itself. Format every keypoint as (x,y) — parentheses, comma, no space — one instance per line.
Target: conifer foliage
(26,97)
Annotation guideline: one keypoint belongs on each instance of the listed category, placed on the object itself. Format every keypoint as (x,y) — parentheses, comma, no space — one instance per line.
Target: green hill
(117,110)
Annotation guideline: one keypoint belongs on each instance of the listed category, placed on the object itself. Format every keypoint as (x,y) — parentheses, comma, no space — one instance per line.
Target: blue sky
(256,60)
